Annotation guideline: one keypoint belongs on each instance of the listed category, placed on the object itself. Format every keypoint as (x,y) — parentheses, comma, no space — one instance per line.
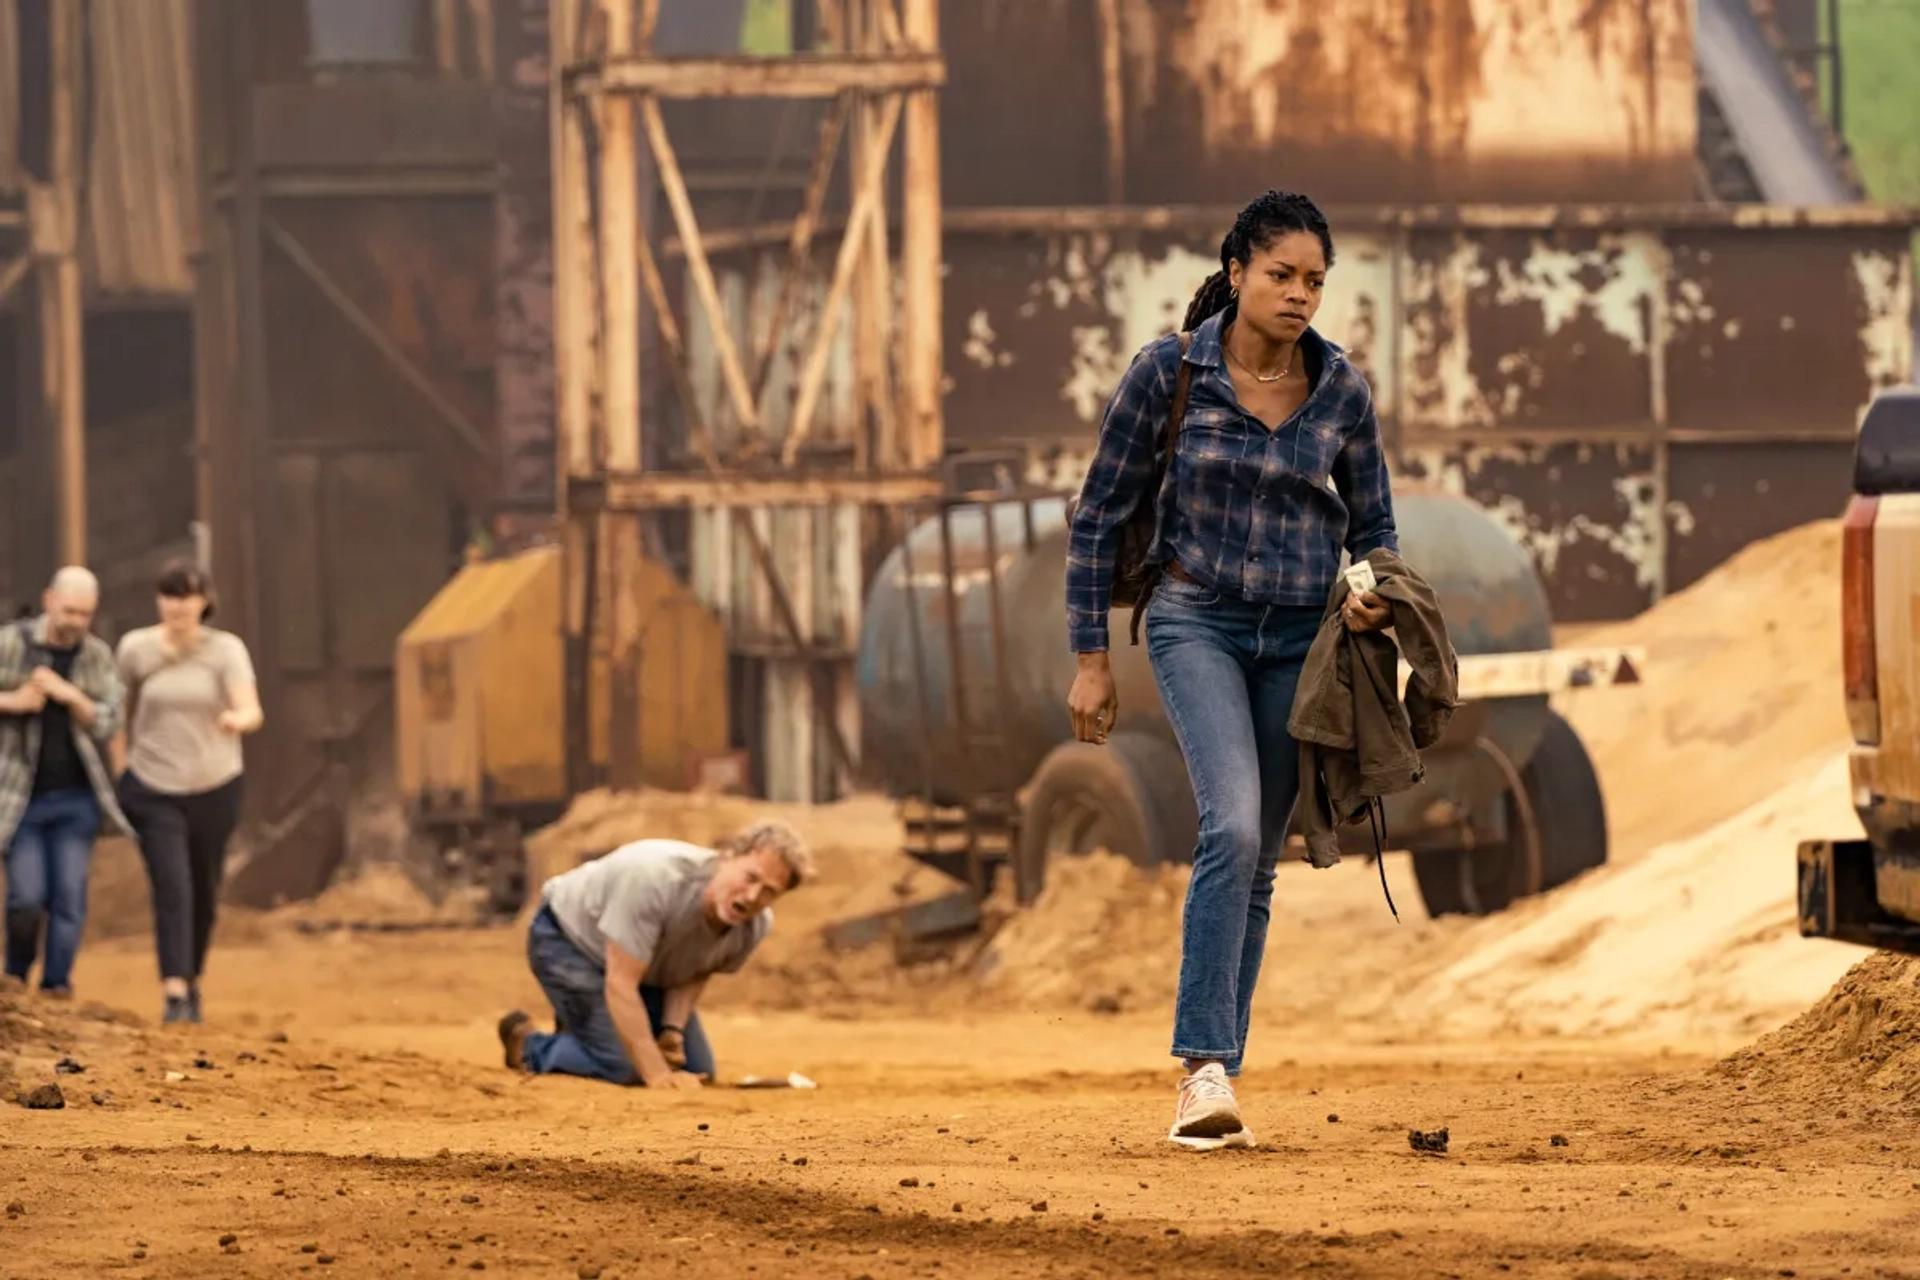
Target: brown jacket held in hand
(1358,740)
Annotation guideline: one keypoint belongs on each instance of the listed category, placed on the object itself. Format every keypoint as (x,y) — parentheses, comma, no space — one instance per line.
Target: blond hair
(776,837)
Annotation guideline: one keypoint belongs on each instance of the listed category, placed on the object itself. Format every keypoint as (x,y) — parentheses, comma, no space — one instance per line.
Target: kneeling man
(624,945)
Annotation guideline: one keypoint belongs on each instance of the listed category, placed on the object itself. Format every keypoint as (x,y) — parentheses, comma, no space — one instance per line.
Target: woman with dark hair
(192,697)
(1277,468)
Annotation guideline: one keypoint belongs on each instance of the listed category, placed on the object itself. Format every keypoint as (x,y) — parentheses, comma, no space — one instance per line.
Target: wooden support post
(873,293)
(1113,98)
(210,329)
(62,317)
(920,253)
(574,362)
(255,578)
(446,38)
(619,206)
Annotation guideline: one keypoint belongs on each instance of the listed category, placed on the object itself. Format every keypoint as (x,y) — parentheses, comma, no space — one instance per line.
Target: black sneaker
(193,1003)
(178,1009)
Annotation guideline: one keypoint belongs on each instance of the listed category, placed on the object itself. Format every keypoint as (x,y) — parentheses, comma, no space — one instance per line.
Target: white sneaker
(1207,1116)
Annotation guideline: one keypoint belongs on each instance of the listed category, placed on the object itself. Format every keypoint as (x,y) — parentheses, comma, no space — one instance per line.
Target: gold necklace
(1260,377)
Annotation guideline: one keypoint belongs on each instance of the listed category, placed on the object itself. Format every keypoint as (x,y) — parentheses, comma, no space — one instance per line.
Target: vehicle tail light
(1859,659)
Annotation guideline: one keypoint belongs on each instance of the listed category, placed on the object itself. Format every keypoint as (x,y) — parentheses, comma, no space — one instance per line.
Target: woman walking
(193,697)
(1248,539)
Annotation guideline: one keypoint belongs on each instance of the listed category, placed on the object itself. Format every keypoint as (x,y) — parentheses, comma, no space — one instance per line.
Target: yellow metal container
(480,729)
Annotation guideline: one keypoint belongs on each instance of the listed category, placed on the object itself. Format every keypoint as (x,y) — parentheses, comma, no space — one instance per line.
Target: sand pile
(381,893)
(1742,680)
(600,821)
(1695,941)
(1103,936)
(1860,1044)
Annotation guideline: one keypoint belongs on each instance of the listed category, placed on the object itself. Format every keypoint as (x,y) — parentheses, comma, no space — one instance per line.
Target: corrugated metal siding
(817,551)
(139,197)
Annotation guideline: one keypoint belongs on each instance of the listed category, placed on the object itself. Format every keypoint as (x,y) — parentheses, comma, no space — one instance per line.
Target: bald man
(60,696)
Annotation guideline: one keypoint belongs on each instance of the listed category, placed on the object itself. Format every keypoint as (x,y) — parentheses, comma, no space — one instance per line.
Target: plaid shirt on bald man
(23,646)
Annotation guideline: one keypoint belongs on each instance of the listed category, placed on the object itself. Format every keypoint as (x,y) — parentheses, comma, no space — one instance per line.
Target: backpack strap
(1176,414)
(1177,409)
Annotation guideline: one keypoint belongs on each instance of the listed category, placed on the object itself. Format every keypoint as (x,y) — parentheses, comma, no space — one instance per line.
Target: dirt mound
(601,821)
(1862,1042)
(381,893)
(1103,936)
(1742,681)
(1697,940)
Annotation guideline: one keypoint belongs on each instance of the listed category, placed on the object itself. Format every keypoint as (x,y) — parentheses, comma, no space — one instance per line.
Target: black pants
(183,841)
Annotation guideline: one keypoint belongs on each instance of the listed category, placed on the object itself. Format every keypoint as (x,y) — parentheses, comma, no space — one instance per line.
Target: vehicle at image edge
(1867,890)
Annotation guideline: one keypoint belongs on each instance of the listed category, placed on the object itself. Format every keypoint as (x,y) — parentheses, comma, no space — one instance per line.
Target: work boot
(1207,1115)
(513,1034)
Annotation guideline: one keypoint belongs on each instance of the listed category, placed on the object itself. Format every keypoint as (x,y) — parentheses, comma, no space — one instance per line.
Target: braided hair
(1269,217)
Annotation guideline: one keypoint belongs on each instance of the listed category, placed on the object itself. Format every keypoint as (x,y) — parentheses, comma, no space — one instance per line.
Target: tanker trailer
(964,667)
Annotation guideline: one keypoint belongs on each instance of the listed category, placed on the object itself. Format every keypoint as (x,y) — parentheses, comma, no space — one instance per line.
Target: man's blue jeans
(1227,671)
(47,865)
(584,1042)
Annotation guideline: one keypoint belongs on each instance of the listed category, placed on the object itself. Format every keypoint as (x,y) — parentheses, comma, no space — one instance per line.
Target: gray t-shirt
(645,897)
(178,746)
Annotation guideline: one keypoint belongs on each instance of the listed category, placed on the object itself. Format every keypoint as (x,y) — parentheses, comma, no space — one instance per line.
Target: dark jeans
(584,1042)
(47,865)
(1227,671)
(183,841)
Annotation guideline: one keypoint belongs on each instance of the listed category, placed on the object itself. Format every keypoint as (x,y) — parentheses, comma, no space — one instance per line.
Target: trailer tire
(1130,797)
(1568,804)
(1569,817)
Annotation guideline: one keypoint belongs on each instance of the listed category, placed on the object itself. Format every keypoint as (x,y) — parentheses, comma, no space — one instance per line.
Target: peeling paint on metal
(1887,335)
(1496,333)
(979,346)
(1633,539)
(1145,299)
(1613,282)
(1439,382)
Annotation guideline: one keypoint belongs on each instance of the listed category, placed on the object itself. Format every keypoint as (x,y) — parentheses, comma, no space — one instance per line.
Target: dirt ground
(344,1111)
(1644,1073)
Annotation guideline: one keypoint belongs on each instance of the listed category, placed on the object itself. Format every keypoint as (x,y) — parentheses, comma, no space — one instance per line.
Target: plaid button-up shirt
(1262,515)
(96,676)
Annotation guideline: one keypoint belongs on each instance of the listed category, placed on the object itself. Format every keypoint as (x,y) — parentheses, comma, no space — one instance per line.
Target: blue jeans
(584,1042)
(47,865)
(1227,671)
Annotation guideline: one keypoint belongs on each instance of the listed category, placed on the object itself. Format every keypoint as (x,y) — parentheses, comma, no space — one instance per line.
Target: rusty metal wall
(1634,392)
(1350,100)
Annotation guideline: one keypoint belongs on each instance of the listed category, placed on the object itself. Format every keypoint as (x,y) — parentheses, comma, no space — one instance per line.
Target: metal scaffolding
(881,69)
